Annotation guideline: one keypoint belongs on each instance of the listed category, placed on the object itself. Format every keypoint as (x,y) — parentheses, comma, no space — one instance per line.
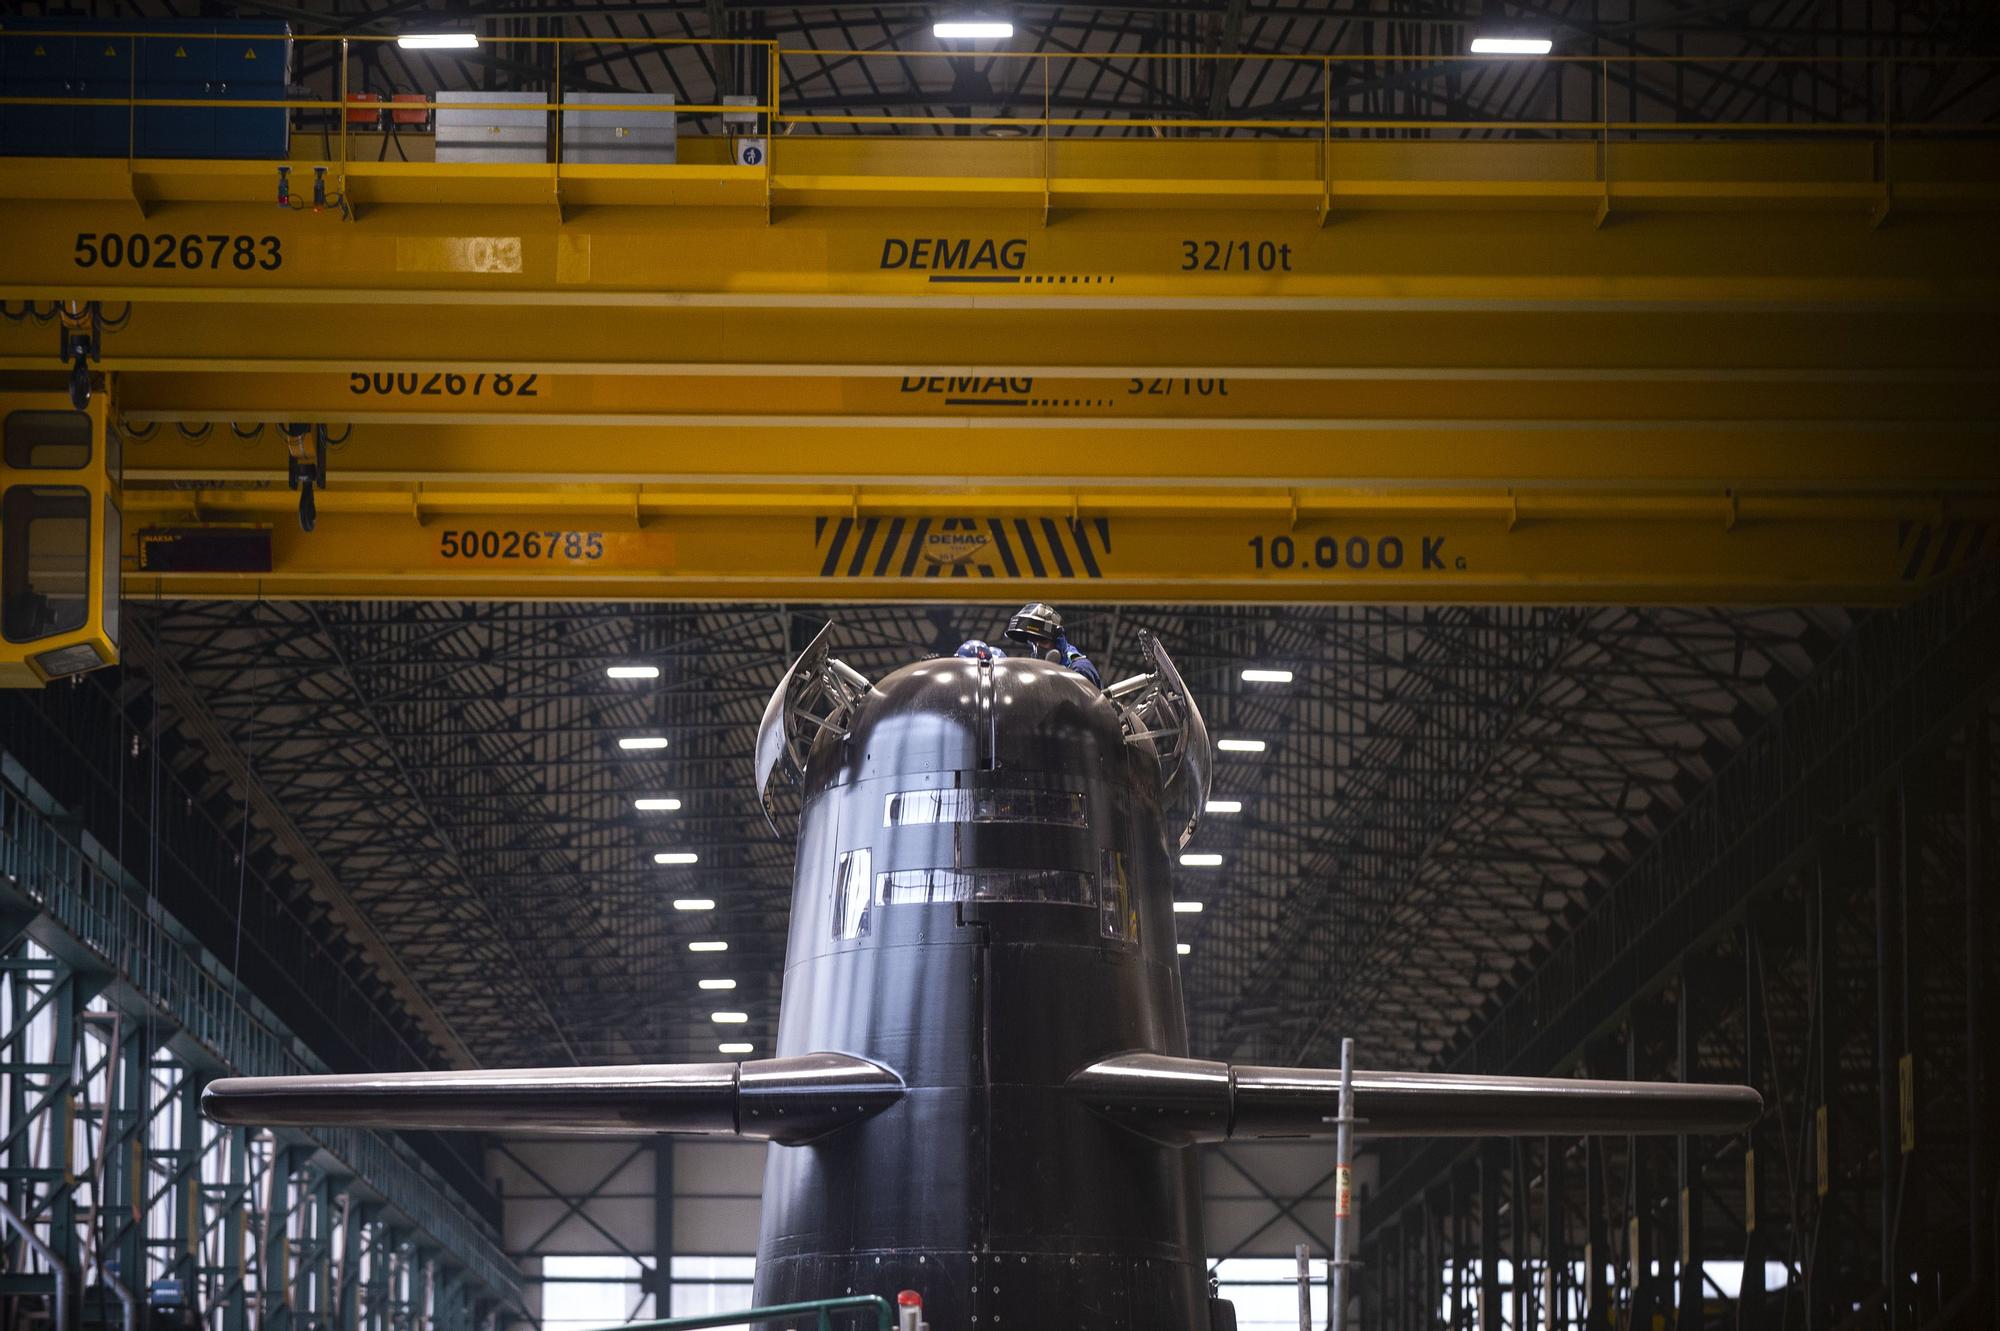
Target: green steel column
(1691,1314)
(274,1245)
(1429,1286)
(1750,1298)
(1823,1152)
(1555,1252)
(320,1265)
(1491,1165)
(60,1106)
(125,1169)
(189,1204)
(663,1227)
(1597,1239)
(1890,837)
(347,1266)
(234,1219)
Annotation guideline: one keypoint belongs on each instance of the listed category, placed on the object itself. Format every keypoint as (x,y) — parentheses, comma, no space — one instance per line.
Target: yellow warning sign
(249,53)
(111,50)
(40,51)
(180,53)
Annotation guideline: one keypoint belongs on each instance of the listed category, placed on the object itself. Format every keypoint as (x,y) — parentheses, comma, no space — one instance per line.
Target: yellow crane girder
(1451,546)
(1272,370)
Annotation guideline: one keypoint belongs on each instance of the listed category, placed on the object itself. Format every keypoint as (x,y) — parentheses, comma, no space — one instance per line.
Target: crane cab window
(45,589)
(47,440)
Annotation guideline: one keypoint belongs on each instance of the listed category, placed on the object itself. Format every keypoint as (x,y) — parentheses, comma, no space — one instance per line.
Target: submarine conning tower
(983,901)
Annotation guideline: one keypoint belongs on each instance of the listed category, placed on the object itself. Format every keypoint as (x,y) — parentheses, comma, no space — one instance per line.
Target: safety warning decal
(1929,549)
(962,547)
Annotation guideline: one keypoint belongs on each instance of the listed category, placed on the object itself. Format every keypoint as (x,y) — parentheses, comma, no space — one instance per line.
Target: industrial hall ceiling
(1097,69)
(438,789)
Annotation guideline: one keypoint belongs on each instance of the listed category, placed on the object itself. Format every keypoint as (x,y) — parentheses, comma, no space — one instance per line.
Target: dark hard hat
(1035,622)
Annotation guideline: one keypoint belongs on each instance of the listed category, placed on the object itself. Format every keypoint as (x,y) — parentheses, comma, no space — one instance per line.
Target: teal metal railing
(821,1310)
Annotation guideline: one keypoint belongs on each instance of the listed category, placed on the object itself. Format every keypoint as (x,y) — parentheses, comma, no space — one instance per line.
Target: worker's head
(1038,625)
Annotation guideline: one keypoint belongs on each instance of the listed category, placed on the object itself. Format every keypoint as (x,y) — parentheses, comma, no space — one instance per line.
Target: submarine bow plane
(981,1088)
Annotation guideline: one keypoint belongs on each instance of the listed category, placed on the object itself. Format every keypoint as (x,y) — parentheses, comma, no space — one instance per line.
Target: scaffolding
(128,1207)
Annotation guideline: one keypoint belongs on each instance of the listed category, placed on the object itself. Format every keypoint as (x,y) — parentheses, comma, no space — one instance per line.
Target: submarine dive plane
(981,1088)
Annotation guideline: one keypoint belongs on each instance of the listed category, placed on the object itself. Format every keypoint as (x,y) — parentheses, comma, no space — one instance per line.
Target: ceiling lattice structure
(1138,63)
(1444,791)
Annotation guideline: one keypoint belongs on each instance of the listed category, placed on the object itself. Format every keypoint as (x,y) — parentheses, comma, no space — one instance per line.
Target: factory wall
(585,1217)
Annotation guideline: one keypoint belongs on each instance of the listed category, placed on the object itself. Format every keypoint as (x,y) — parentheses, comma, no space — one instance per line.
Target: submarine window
(1117,907)
(850,894)
(1060,887)
(1063,808)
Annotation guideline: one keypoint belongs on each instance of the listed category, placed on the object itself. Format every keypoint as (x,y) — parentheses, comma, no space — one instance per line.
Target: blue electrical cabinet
(219,61)
(101,67)
(251,65)
(36,67)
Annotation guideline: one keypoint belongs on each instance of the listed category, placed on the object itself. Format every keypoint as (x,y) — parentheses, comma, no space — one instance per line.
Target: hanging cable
(133,432)
(254,432)
(207,428)
(243,844)
(118,324)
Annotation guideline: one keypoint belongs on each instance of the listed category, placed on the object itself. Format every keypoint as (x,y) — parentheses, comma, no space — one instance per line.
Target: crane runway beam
(1166,225)
(683,544)
(1091,338)
(1342,398)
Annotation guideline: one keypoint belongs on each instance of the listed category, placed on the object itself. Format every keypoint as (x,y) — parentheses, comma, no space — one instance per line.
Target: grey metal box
(618,136)
(470,130)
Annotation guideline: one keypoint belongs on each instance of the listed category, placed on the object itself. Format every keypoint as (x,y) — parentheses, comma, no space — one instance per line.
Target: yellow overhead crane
(1173,369)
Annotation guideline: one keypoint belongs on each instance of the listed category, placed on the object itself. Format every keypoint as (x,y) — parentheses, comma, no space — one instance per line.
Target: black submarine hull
(1010,791)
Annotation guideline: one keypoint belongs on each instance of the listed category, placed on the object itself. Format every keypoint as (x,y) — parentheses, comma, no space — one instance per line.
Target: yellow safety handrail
(1325,124)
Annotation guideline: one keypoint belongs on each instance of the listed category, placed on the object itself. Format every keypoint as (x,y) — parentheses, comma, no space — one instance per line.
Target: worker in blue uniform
(1039,627)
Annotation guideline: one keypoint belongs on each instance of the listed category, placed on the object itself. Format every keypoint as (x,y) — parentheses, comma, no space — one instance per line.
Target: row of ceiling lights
(668,804)
(1208,859)
(1491,38)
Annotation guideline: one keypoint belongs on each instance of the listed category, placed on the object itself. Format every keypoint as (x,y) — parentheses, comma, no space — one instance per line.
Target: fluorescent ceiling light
(693,903)
(633,672)
(736,1047)
(718,984)
(1512,46)
(1187,908)
(1255,676)
(729,1018)
(972,28)
(438,41)
(1200,859)
(643,742)
(1183,948)
(663,803)
(676,857)
(709,945)
(1240,745)
(1223,806)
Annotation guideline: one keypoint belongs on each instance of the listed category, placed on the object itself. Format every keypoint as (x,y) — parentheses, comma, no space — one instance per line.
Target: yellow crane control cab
(59,538)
